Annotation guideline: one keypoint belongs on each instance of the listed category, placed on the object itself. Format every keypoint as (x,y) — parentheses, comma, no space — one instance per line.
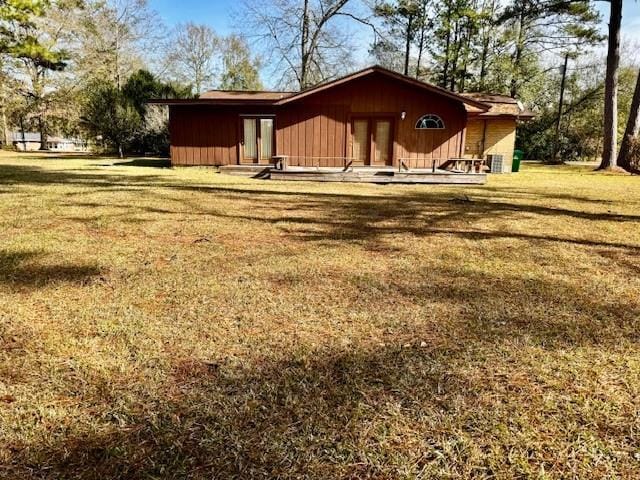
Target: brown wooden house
(374,117)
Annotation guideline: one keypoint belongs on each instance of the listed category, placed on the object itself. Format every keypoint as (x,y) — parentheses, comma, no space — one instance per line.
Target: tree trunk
(456,55)
(423,17)
(483,66)
(38,81)
(633,127)
(304,39)
(24,138)
(484,52)
(420,52)
(465,60)
(517,56)
(556,139)
(5,128)
(445,68)
(611,88)
(42,127)
(197,80)
(407,48)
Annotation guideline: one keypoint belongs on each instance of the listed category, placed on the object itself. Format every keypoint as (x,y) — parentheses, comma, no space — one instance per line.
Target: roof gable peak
(388,73)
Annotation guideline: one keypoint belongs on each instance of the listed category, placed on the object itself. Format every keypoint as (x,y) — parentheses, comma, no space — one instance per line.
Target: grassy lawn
(159,323)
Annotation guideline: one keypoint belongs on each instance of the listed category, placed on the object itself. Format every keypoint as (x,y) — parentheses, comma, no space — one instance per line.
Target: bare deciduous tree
(241,69)
(304,39)
(194,55)
(115,38)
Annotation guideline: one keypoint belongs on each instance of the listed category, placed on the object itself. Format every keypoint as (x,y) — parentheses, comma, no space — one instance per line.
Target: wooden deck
(252,171)
(382,175)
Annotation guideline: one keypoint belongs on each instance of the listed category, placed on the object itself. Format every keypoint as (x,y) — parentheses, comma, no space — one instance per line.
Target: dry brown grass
(160,323)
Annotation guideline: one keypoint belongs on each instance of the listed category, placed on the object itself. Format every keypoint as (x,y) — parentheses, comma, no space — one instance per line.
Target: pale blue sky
(630,17)
(217,13)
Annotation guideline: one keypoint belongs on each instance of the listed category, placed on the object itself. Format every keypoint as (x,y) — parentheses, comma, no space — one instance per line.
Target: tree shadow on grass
(628,261)
(30,175)
(367,219)
(548,312)
(372,411)
(400,205)
(383,205)
(388,413)
(289,419)
(451,397)
(20,269)
(144,162)
(358,217)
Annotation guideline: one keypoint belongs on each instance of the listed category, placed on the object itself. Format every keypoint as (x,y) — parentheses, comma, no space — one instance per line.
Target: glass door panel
(382,142)
(250,140)
(360,141)
(266,140)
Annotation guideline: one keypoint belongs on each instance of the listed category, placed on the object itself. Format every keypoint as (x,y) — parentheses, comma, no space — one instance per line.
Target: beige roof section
(244,95)
(501,105)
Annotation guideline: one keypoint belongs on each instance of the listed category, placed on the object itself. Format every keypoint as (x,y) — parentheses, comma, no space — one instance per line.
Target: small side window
(429,122)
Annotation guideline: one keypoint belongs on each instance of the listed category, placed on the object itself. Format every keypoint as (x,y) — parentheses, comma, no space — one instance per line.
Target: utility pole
(556,141)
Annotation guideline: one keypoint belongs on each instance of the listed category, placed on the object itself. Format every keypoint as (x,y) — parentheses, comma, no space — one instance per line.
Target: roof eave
(211,102)
(489,116)
(482,106)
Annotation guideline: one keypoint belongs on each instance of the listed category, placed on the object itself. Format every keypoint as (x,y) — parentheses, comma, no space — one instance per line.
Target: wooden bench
(464,165)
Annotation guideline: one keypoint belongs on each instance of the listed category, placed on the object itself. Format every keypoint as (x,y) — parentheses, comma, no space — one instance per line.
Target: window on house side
(429,122)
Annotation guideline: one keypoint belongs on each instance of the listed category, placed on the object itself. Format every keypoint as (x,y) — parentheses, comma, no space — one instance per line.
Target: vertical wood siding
(203,135)
(315,131)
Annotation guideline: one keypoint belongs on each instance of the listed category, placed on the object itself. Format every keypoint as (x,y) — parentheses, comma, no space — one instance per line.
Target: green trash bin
(517,158)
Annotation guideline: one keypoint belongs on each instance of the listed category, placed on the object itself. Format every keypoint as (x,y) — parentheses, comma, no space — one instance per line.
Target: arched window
(429,122)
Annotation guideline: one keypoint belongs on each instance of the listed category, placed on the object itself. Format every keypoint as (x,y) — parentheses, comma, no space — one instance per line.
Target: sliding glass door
(258,139)
(371,141)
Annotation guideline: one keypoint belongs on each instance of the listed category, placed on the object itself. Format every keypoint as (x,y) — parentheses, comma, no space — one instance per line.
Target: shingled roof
(470,103)
(501,106)
(227,97)
(483,105)
(245,95)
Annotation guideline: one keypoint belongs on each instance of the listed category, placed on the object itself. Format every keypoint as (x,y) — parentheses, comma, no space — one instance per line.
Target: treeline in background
(86,68)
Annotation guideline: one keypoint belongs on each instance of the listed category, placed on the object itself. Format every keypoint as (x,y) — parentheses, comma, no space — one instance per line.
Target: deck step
(253,171)
(358,175)
(382,177)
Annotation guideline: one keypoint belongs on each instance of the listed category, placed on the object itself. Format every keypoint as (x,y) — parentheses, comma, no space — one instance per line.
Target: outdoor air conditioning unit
(496,163)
